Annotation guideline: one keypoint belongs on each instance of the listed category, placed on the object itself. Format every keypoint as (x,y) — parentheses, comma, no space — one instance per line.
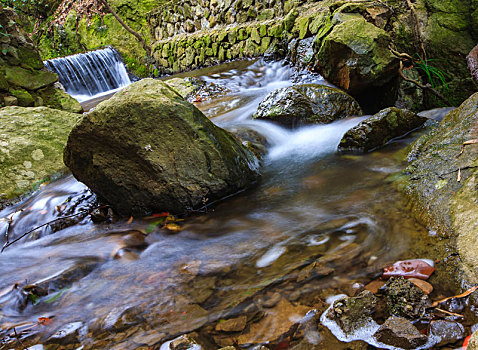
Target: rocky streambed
(264,268)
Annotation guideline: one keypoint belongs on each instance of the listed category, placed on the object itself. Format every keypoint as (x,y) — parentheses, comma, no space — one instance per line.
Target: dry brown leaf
(462,295)
(130,220)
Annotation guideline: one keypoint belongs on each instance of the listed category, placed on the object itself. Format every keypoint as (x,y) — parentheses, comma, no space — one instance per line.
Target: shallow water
(312,204)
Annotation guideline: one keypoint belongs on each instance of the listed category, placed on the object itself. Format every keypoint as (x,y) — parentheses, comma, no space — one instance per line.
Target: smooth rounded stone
(272,300)
(448,332)
(147,150)
(232,325)
(252,139)
(405,299)
(399,332)
(307,104)
(352,313)
(374,286)
(377,130)
(31,146)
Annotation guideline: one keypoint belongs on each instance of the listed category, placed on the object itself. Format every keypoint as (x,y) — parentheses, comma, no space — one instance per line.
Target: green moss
(24,98)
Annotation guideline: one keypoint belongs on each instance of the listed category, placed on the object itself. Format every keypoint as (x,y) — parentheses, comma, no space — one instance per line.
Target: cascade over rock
(307,104)
(146,150)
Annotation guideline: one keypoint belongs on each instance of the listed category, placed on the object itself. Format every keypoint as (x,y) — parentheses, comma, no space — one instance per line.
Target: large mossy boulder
(307,104)
(442,183)
(31,147)
(355,57)
(146,150)
(24,81)
(377,130)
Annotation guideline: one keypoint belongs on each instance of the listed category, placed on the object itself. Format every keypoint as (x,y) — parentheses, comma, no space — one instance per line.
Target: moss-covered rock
(307,104)
(376,131)
(146,149)
(404,299)
(31,146)
(54,97)
(442,181)
(355,57)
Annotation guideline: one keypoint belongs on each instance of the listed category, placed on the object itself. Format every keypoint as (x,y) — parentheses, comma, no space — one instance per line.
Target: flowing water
(110,286)
(90,74)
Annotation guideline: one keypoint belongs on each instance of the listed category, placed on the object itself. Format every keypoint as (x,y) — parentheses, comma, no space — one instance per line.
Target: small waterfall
(88,74)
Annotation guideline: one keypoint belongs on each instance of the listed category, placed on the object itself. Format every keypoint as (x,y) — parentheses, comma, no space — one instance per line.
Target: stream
(121,284)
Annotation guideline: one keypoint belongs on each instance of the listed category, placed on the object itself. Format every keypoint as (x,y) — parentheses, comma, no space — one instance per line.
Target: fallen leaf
(44,321)
(172,227)
(462,295)
(130,220)
(458,179)
(409,269)
(465,343)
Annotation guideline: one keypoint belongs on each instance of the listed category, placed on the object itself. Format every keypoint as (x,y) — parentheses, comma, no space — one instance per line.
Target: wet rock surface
(399,332)
(447,332)
(377,130)
(307,104)
(31,146)
(441,181)
(137,149)
(352,313)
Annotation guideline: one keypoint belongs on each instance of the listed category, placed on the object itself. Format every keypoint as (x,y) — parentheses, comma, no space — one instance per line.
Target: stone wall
(24,80)
(192,16)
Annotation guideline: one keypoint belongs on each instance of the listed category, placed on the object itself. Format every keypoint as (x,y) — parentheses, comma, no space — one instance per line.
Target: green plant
(437,78)
(2,32)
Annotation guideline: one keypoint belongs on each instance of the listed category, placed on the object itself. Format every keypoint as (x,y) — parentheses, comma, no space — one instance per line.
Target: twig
(8,244)
(462,295)
(18,339)
(421,86)
(449,313)
(466,143)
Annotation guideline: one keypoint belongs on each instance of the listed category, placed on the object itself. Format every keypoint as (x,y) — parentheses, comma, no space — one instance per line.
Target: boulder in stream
(377,130)
(307,104)
(146,150)
(405,299)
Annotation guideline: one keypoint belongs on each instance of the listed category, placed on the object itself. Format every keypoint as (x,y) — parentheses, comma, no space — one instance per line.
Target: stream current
(116,289)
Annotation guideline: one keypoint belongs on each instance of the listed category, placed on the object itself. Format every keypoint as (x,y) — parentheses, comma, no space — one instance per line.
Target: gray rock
(376,131)
(399,332)
(67,334)
(307,104)
(448,332)
(147,150)
(352,313)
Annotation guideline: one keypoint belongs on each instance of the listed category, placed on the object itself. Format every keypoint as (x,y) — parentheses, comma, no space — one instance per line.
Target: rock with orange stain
(409,269)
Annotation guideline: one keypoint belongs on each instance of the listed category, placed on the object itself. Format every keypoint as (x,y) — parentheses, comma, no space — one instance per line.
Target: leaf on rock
(409,269)
(462,295)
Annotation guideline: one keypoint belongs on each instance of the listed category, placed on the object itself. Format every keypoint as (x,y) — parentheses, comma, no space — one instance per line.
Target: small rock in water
(68,334)
(272,300)
(448,332)
(405,299)
(232,325)
(399,332)
(352,313)
(417,268)
(184,342)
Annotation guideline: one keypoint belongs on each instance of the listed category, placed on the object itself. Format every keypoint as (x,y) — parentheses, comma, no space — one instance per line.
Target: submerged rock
(441,181)
(352,313)
(146,149)
(307,104)
(447,332)
(405,299)
(31,145)
(376,131)
(399,332)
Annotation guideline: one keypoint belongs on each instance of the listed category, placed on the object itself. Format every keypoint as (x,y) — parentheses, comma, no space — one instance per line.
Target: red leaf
(409,268)
(160,215)
(44,321)
(465,343)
